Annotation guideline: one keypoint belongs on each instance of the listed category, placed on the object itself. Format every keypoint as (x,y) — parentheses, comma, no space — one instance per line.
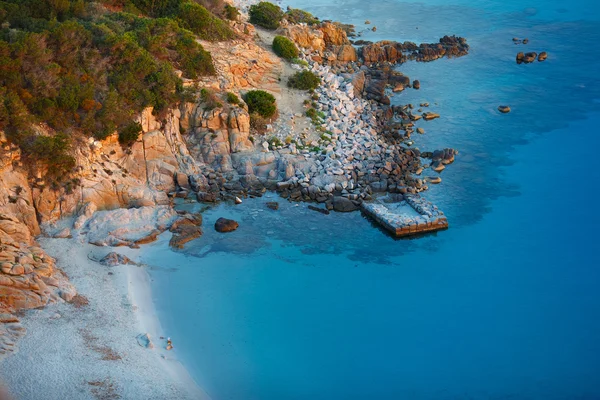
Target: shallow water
(296,304)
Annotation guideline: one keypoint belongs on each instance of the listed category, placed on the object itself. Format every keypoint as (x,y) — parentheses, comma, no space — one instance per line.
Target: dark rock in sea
(543,56)
(428,116)
(342,204)
(185,234)
(520,57)
(529,57)
(445,156)
(317,209)
(226,225)
(504,109)
(273,205)
(185,230)
(416,84)
(113,259)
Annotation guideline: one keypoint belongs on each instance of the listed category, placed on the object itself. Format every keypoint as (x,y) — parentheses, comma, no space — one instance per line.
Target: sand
(90,351)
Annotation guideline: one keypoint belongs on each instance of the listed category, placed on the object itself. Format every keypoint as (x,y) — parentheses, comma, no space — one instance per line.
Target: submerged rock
(504,109)
(317,209)
(226,225)
(543,56)
(273,205)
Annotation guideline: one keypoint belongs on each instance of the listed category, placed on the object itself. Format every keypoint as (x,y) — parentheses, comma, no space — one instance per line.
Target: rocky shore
(355,145)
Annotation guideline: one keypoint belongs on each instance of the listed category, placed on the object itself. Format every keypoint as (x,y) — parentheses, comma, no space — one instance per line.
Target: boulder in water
(226,225)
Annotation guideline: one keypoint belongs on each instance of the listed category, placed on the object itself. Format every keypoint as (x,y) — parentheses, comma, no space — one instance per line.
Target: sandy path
(289,101)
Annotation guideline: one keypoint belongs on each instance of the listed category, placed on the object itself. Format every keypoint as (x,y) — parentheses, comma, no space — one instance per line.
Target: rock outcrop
(396,52)
(326,41)
(128,227)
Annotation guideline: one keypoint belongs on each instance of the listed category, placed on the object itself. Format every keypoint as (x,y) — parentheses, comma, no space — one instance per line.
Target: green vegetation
(316,117)
(52,152)
(266,14)
(232,98)
(304,80)
(210,99)
(299,61)
(199,20)
(130,133)
(80,68)
(231,13)
(261,103)
(297,16)
(284,48)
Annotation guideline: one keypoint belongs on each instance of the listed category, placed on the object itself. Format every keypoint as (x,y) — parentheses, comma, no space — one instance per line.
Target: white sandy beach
(90,351)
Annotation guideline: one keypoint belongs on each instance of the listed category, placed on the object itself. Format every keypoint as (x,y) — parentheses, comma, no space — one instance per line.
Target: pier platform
(405,215)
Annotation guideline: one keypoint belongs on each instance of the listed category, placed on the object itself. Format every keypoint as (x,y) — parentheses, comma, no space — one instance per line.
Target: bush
(130,133)
(300,62)
(231,13)
(258,124)
(261,102)
(232,98)
(304,80)
(199,20)
(297,16)
(209,99)
(284,48)
(266,14)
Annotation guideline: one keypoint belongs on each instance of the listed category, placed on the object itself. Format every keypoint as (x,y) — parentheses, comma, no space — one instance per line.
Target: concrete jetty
(405,215)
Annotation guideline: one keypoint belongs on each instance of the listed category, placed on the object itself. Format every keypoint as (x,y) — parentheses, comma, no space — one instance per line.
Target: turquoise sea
(504,305)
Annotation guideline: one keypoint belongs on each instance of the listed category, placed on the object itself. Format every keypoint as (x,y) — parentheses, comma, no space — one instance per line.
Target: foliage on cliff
(91,67)
(297,16)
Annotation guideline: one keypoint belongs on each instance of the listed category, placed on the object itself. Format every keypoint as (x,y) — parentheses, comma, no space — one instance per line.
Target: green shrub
(52,151)
(299,61)
(231,13)
(284,48)
(266,14)
(130,133)
(203,23)
(261,102)
(304,80)
(232,98)
(209,99)
(157,8)
(297,16)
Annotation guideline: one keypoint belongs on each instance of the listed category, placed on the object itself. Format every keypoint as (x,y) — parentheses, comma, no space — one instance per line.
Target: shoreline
(90,351)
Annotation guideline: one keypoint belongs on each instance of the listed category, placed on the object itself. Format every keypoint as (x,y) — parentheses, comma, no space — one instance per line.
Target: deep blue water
(505,304)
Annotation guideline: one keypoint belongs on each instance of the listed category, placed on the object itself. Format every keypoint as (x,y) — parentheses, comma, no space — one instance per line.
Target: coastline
(90,351)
